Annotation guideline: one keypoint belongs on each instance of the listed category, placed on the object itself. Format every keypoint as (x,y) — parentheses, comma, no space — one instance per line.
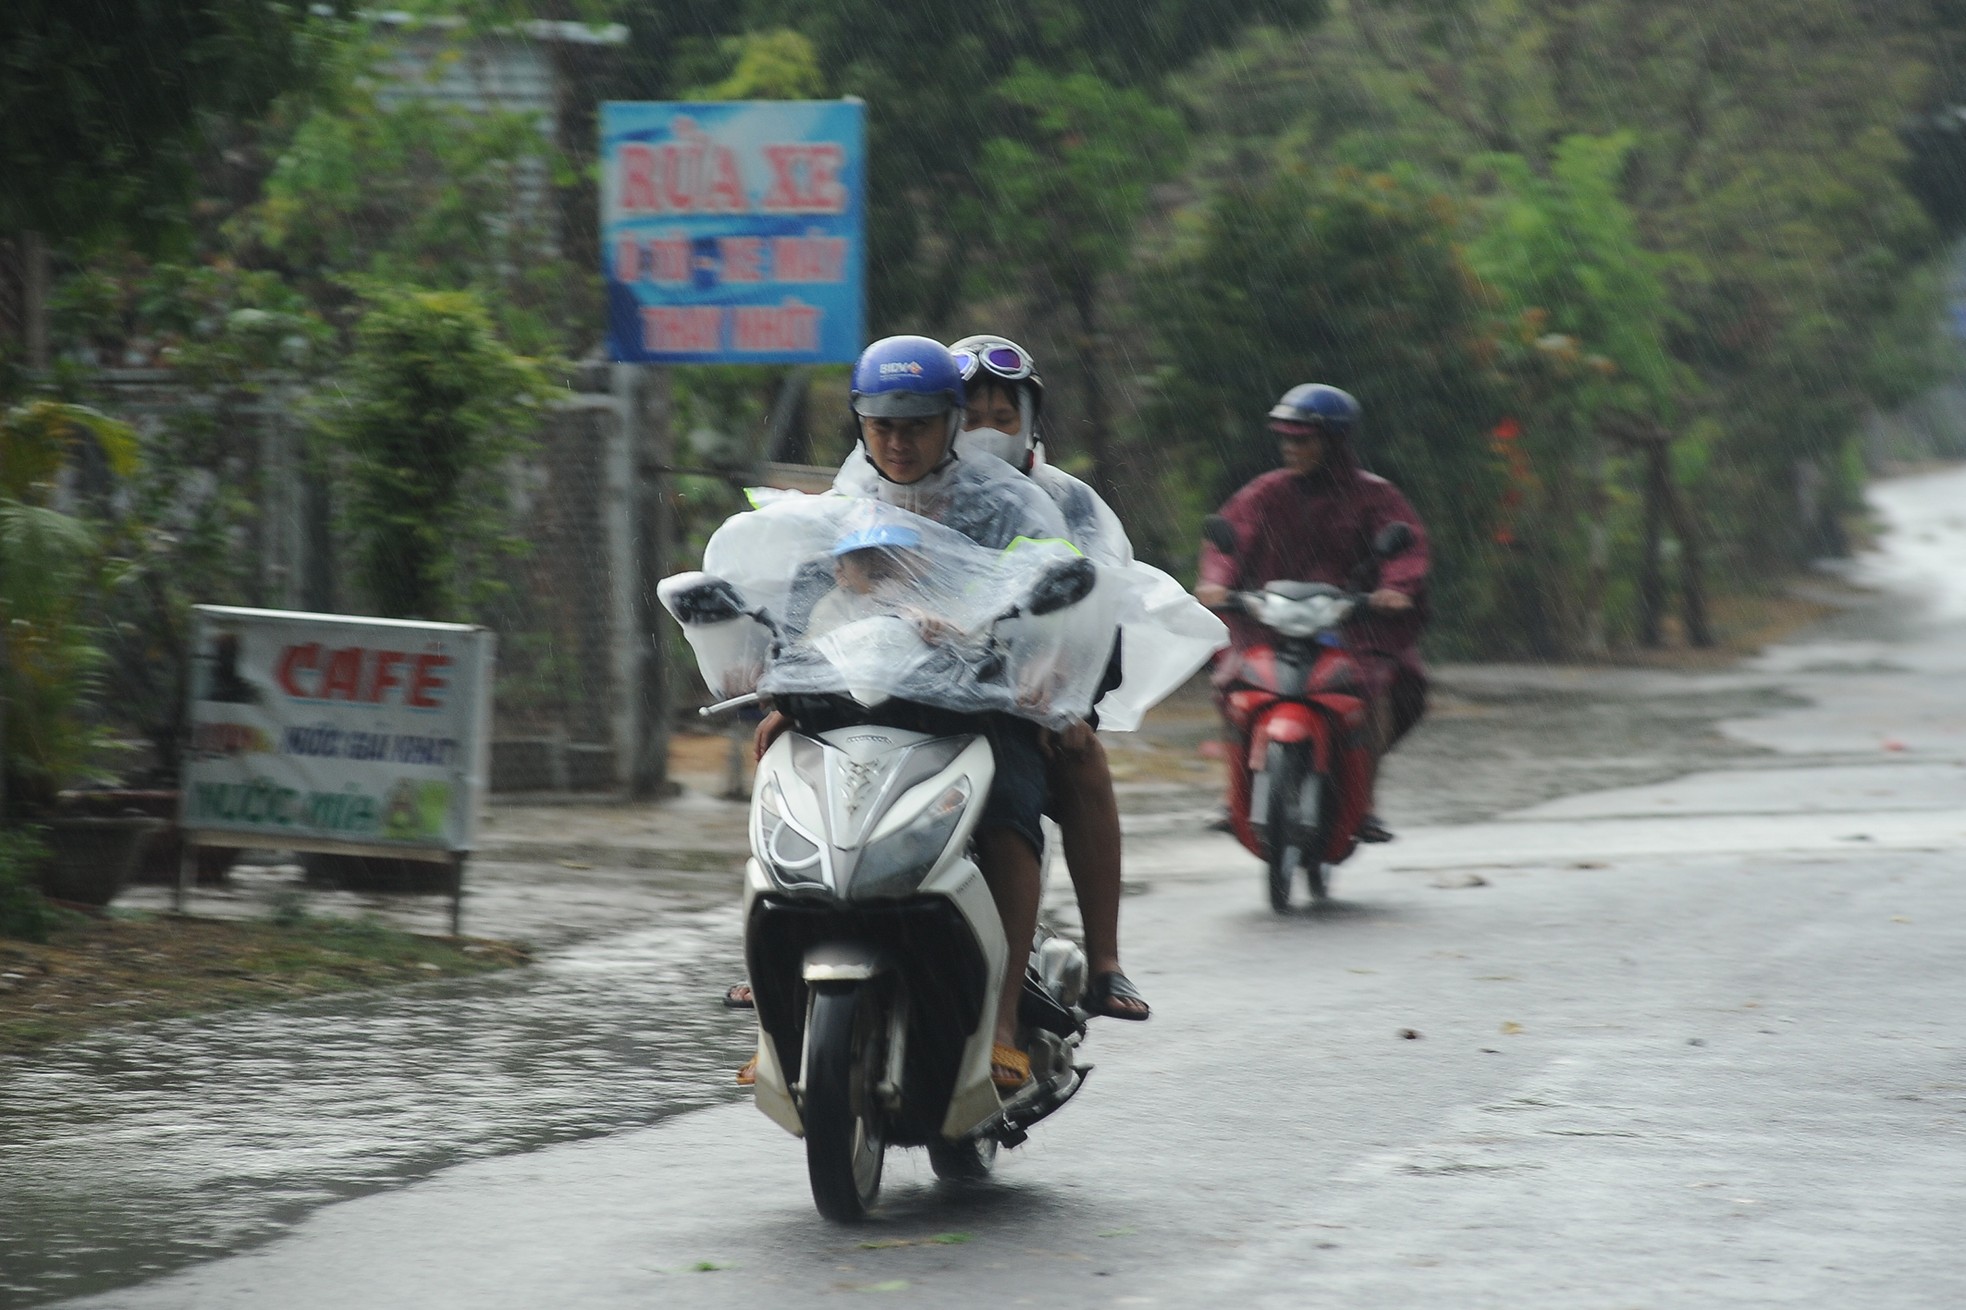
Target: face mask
(1013,448)
(1007,447)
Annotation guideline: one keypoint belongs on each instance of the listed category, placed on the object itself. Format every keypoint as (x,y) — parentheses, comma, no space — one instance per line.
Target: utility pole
(656,460)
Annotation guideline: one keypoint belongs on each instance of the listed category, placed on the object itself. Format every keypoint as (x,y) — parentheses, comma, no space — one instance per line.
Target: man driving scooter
(1003,397)
(907,397)
(1313,520)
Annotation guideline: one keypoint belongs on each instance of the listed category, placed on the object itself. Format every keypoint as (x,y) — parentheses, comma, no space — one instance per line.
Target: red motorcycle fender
(1245,704)
(1288,722)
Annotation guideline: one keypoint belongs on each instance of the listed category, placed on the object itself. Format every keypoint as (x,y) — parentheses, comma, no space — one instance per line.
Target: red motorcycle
(1302,784)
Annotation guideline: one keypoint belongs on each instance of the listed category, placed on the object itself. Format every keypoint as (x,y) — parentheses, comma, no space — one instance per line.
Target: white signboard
(325,732)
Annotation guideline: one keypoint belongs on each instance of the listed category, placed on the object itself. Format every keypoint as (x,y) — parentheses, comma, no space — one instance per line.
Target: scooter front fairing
(860,836)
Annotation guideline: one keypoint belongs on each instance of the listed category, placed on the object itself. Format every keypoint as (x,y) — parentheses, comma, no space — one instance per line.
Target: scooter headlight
(894,865)
(789,854)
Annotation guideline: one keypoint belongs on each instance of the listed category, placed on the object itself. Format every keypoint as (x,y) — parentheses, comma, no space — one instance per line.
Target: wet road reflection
(144,1149)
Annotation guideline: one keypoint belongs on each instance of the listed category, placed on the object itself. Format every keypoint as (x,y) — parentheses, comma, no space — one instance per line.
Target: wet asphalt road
(1688,1042)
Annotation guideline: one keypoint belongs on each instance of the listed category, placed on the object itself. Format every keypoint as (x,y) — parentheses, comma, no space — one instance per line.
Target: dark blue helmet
(1312,404)
(906,377)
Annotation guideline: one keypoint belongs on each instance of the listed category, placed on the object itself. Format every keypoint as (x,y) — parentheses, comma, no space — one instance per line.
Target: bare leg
(1010,867)
(1089,820)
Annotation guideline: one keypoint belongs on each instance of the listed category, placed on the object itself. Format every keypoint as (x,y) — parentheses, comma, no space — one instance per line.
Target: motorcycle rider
(907,396)
(1003,398)
(1313,520)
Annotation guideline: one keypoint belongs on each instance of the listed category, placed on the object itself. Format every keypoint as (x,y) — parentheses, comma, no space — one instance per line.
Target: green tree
(405,190)
(51,568)
(1562,250)
(1354,279)
(929,73)
(103,107)
(434,404)
(1739,243)
(1062,200)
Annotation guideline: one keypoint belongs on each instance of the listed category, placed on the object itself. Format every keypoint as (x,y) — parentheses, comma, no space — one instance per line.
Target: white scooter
(871,940)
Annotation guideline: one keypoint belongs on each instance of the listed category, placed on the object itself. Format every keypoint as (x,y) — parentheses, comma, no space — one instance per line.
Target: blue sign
(731,231)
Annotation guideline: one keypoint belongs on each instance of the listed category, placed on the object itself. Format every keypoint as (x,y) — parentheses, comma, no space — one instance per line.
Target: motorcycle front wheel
(1294,826)
(845,1137)
(1282,835)
(966,1161)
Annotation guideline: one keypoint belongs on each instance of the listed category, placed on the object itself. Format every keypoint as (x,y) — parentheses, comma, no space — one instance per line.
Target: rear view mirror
(706,600)
(1219,533)
(1394,539)
(1065,583)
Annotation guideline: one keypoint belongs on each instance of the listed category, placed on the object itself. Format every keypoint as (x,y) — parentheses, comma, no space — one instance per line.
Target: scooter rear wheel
(845,1136)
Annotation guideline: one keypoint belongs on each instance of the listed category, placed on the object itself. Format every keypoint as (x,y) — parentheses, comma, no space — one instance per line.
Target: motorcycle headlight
(894,865)
(1304,618)
(789,854)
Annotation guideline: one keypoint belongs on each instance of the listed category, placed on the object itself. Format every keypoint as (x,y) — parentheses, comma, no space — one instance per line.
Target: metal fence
(578,695)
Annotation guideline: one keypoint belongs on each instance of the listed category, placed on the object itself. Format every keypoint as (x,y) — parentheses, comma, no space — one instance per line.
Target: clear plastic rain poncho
(874,602)
(1166,633)
(984,498)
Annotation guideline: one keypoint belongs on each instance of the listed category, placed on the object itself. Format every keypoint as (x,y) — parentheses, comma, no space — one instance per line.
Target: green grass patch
(93,972)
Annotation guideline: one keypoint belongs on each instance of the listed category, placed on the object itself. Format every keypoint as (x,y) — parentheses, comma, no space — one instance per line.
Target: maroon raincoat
(1319,528)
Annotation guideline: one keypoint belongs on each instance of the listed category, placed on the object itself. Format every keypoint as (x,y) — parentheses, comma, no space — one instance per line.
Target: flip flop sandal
(747,1076)
(738,997)
(1109,987)
(1015,1062)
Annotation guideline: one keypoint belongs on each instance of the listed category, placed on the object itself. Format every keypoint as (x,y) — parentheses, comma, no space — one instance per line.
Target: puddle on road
(141,1150)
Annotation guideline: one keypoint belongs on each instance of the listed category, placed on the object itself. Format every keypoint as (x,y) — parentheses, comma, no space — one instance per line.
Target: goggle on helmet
(988,358)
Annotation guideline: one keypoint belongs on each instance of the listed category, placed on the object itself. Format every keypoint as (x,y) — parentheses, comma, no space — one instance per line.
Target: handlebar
(1238,601)
(734,703)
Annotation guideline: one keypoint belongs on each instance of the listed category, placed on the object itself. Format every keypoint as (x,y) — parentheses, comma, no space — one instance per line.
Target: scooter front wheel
(966,1161)
(845,1137)
(1284,836)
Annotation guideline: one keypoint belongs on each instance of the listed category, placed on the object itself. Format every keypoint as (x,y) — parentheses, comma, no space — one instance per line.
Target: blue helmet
(906,377)
(881,536)
(1312,404)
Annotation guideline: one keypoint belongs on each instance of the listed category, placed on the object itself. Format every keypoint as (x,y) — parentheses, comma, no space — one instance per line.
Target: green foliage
(1064,192)
(434,403)
(235,340)
(38,436)
(776,65)
(1357,280)
(412,191)
(24,915)
(49,570)
(929,74)
(102,106)
(1689,213)
(1567,244)
(1724,217)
